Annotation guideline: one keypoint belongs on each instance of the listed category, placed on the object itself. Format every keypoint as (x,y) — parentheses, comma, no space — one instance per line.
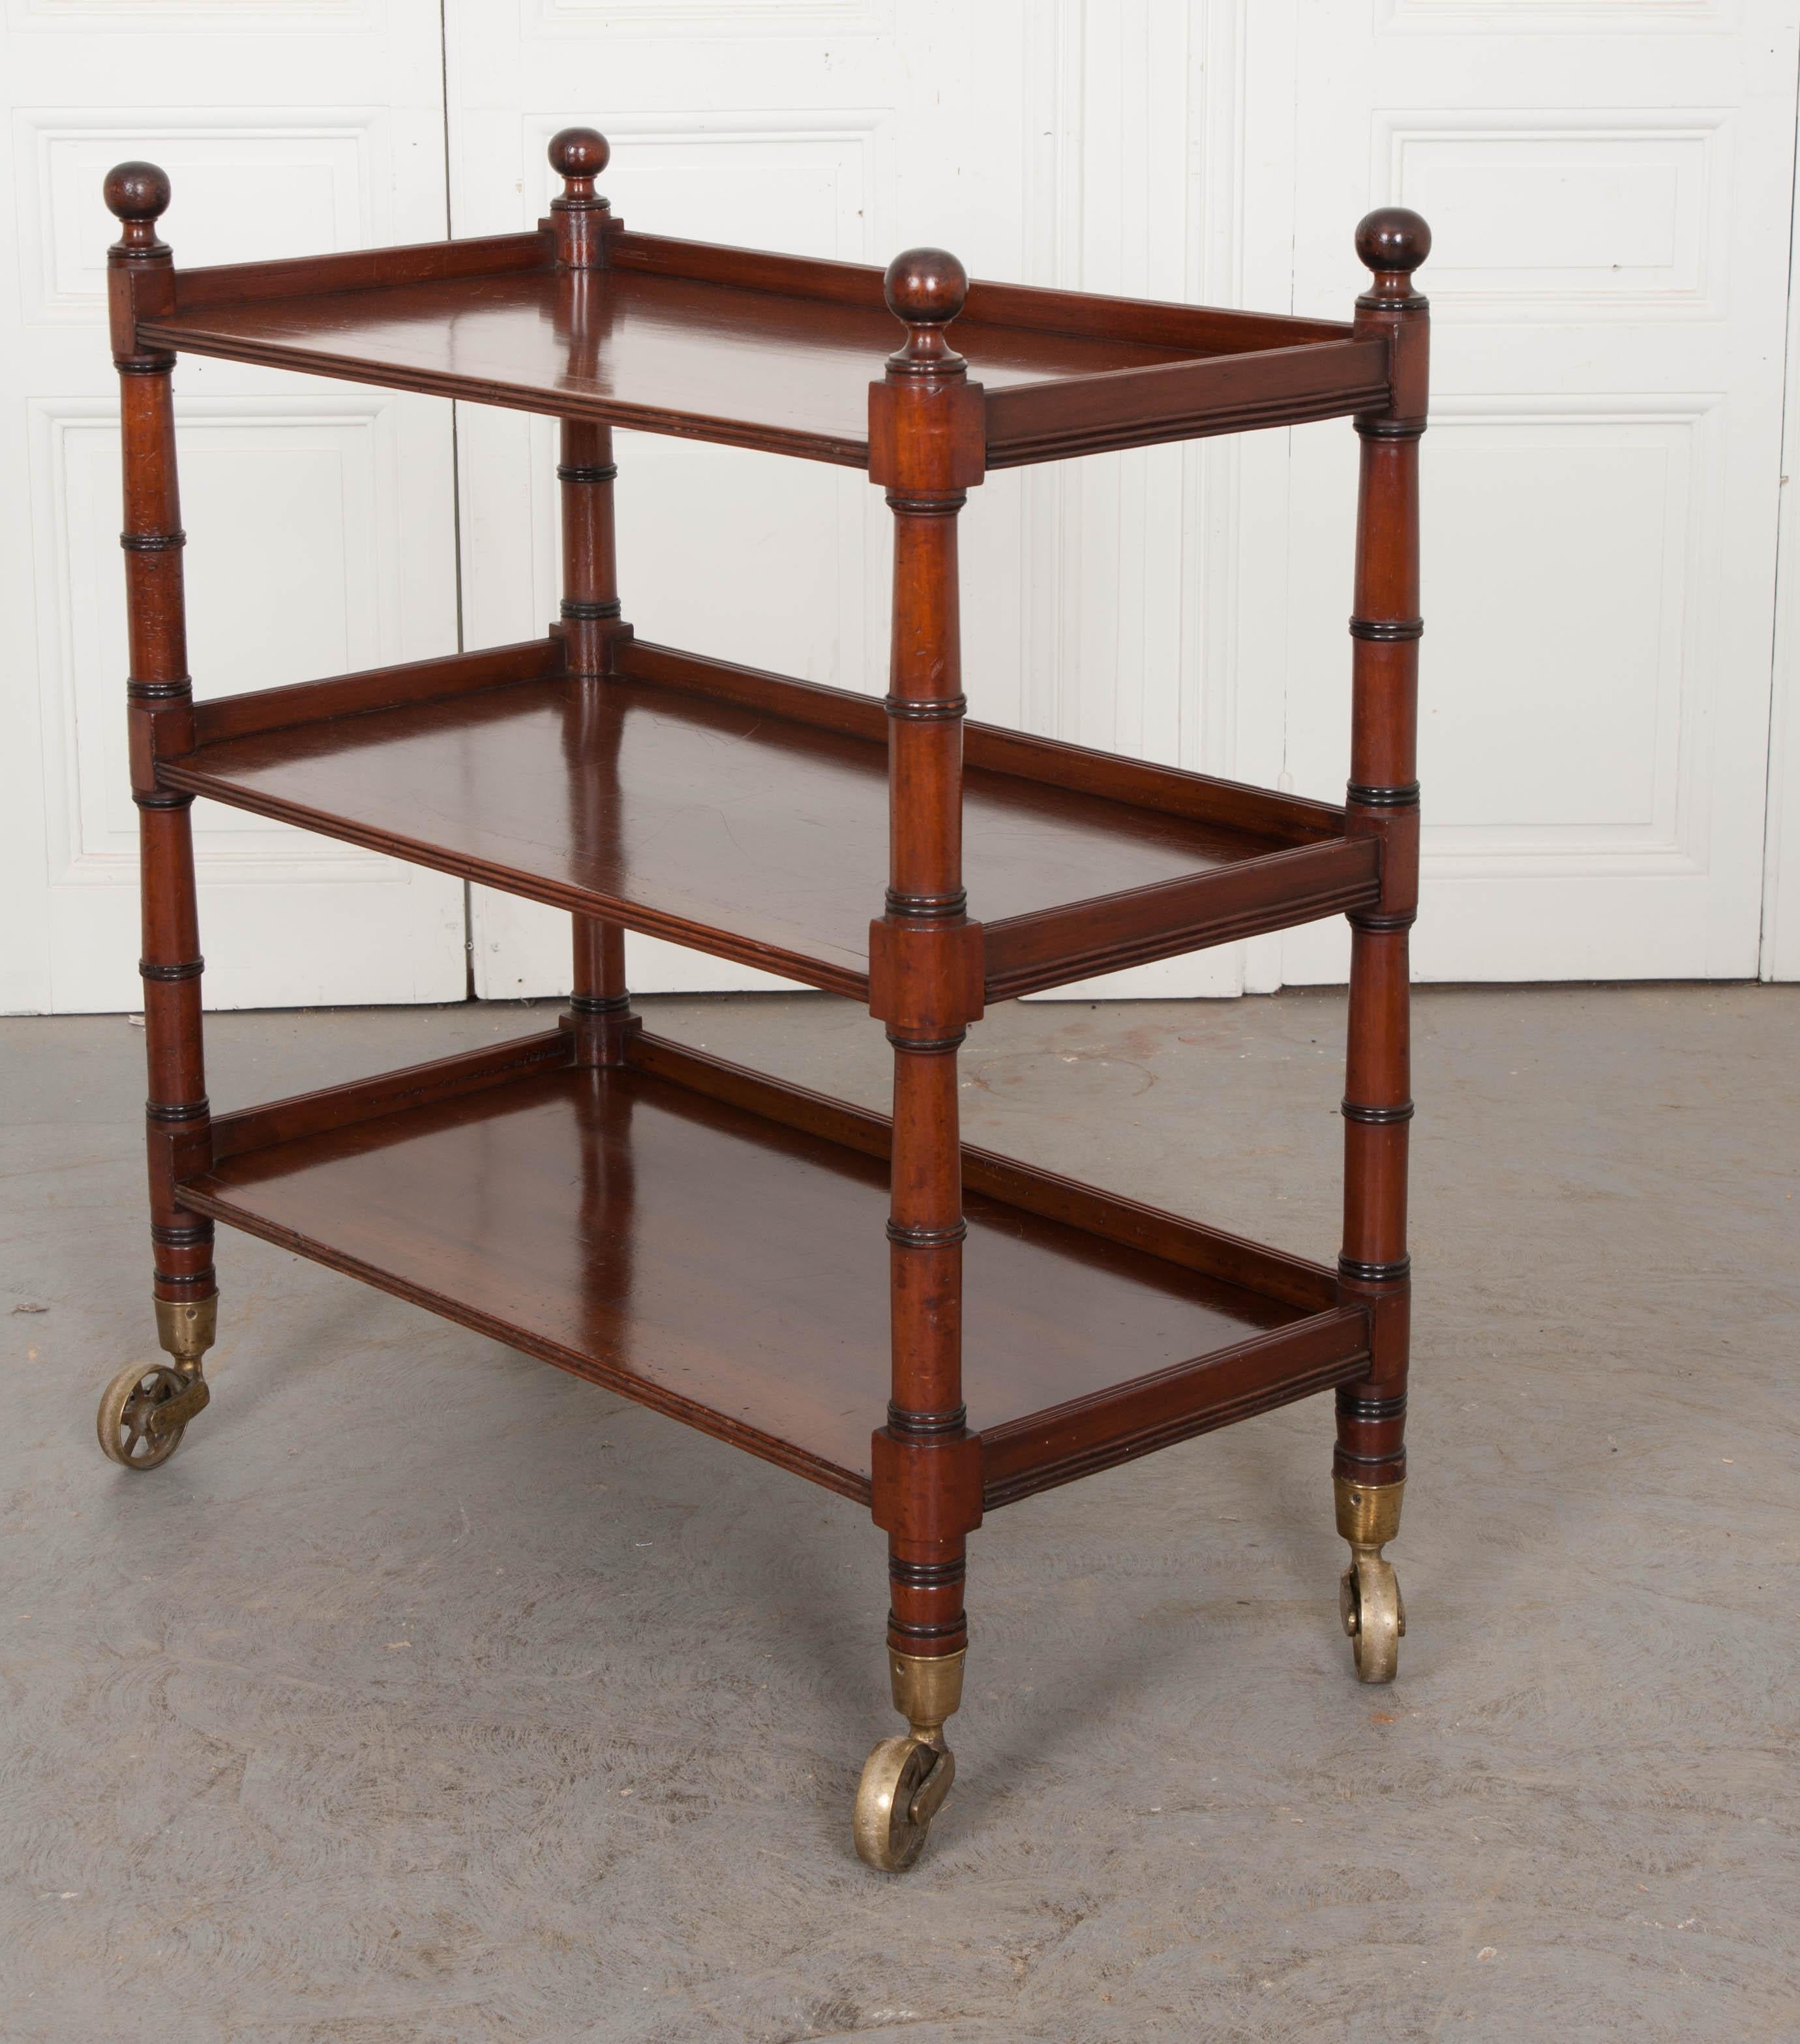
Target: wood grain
(707,820)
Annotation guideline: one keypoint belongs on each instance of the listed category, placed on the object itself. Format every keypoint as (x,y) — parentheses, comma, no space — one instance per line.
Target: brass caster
(1368,1596)
(145,1412)
(904,1782)
(1375,1616)
(905,1779)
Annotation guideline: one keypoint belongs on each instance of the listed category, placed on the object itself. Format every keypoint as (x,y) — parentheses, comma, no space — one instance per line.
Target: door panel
(1609,193)
(320,517)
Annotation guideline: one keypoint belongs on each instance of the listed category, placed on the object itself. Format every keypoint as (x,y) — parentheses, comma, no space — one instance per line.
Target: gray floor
(430,1695)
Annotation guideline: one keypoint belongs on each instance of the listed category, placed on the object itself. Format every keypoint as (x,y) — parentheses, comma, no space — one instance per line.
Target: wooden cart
(745,1255)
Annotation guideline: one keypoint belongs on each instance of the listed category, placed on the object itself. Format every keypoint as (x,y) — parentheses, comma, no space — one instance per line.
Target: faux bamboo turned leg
(160,698)
(600,1006)
(1369,1465)
(925,984)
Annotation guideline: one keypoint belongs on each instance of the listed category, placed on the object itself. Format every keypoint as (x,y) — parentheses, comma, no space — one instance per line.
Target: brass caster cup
(905,1779)
(1368,1594)
(187,1327)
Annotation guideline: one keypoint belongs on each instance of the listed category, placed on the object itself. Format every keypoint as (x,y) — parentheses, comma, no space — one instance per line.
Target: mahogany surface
(754,836)
(667,354)
(708,1260)
(760,351)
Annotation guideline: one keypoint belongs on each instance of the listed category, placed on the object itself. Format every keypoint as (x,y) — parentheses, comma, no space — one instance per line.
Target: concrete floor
(430,1696)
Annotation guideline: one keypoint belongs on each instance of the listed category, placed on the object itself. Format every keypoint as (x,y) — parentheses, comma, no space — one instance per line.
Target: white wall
(1610,185)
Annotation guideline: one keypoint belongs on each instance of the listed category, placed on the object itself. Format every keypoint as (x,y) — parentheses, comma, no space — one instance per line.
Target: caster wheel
(1368,1598)
(903,1784)
(145,1412)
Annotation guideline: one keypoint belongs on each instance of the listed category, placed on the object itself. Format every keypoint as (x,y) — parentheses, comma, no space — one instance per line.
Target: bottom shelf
(711,1243)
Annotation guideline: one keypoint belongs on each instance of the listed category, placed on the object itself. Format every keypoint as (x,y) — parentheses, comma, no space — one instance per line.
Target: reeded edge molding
(585,610)
(188,969)
(1387,631)
(152,543)
(575,471)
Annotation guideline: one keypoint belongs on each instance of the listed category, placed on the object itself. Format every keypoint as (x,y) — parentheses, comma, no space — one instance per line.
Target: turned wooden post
(1369,1465)
(599,1006)
(160,698)
(926,983)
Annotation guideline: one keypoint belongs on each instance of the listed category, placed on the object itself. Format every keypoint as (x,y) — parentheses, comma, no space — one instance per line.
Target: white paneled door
(320,516)
(1610,184)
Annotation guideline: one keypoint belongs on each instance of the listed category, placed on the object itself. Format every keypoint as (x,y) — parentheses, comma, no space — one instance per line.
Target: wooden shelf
(755,349)
(746,815)
(711,1243)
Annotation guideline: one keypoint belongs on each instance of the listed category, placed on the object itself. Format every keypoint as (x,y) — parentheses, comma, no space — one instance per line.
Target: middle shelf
(745,814)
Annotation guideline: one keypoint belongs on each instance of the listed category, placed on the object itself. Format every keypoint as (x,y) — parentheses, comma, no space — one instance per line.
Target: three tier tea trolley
(932,1330)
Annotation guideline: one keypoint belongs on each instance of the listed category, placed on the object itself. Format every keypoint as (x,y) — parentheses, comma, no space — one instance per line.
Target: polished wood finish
(755,349)
(159,696)
(1375,1270)
(706,1240)
(751,820)
(258,710)
(652,1228)
(925,982)
(278,1121)
(590,622)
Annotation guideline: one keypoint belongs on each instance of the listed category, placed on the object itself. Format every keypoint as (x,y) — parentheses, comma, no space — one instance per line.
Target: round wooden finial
(926,286)
(579,152)
(136,192)
(578,155)
(1393,238)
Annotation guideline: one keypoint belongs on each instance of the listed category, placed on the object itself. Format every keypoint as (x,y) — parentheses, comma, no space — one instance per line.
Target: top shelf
(754,349)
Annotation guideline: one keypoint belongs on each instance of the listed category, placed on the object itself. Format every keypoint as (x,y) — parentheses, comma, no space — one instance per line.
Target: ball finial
(1393,238)
(926,286)
(136,192)
(579,152)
